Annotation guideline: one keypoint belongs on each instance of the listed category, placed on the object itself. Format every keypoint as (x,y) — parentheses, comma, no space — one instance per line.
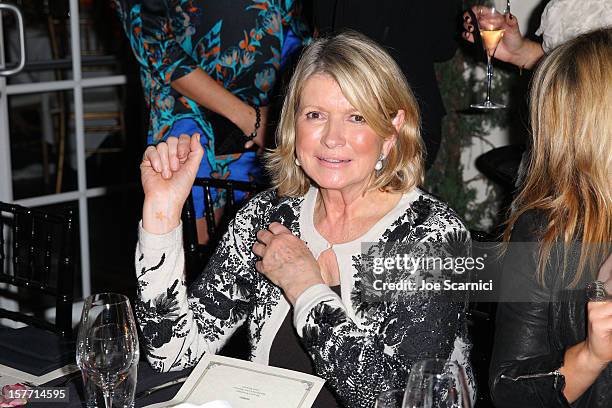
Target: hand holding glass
(491,28)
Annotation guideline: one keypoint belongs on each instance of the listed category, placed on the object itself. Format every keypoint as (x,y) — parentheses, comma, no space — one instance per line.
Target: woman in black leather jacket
(552,347)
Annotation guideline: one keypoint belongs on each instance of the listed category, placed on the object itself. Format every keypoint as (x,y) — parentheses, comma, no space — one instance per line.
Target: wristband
(257,123)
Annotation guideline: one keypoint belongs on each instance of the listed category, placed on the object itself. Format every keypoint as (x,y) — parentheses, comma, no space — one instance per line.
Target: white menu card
(244,384)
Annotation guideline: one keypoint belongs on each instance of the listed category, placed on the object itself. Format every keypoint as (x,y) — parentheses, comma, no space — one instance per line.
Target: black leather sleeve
(526,355)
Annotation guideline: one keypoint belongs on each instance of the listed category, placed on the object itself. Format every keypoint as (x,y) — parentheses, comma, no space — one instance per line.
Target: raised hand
(286,261)
(513,48)
(167,172)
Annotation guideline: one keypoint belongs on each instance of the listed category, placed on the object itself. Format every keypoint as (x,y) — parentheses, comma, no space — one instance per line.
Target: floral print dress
(239,43)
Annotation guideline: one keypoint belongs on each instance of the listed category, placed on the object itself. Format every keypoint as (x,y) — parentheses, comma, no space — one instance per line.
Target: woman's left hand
(286,261)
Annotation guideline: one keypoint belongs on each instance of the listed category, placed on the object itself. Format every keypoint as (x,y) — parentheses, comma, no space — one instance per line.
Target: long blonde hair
(569,175)
(373,83)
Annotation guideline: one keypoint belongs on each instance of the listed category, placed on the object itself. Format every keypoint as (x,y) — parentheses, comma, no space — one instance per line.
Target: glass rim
(111,298)
(434,364)
(488,10)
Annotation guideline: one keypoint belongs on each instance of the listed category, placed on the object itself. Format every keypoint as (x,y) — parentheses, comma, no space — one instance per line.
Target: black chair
(37,259)
(502,164)
(196,255)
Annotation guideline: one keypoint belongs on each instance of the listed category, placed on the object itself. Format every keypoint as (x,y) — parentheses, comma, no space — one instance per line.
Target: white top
(563,20)
(344,251)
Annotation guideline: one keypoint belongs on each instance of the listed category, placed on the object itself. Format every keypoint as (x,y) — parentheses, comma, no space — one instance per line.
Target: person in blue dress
(208,67)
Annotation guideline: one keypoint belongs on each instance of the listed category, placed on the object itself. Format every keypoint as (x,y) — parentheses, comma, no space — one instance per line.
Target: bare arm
(171,65)
(200,87)
(528,55)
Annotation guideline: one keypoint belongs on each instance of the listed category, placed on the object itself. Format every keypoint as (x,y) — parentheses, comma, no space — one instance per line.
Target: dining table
(36,352)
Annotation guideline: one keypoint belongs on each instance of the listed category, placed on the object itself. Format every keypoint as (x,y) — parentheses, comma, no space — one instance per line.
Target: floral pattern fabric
(238,43)
(359,353)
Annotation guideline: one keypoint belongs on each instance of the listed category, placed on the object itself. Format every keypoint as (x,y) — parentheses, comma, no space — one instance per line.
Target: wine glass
(390,399)
(491,27)
(107,343)
(436,383)
(419,391)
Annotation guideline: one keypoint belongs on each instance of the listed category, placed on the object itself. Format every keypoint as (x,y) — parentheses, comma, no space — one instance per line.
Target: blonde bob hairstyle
(569,175)
(374,85)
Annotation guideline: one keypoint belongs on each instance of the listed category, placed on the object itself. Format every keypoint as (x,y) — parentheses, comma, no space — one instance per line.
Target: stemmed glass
(491,27)
(436,383)
(107,343)
(390,399)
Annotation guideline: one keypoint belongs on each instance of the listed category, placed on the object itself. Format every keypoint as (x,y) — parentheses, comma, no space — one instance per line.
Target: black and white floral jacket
(359,346)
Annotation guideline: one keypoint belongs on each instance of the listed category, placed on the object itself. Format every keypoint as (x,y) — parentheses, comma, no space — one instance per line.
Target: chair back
(37,262)
(196,255)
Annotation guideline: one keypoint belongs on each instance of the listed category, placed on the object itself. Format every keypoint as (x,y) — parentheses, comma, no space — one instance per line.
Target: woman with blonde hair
(292,266)
(553,346)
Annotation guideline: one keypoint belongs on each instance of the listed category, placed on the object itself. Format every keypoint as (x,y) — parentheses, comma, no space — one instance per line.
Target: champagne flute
(491,27)
(107,343)
(436,383)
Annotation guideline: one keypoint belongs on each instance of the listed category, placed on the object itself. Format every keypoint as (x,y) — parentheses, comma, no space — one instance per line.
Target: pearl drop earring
(379,163)
(297,162)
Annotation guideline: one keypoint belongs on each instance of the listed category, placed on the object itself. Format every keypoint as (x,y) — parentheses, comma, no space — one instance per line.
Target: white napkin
(212,404)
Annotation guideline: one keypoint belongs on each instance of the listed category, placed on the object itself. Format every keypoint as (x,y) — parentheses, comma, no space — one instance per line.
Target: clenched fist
(167,172)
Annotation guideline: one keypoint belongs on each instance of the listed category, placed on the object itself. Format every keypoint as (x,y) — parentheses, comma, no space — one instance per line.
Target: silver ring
(596,292)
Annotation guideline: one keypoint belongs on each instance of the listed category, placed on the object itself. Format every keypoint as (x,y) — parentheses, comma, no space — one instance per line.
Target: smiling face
(334,144)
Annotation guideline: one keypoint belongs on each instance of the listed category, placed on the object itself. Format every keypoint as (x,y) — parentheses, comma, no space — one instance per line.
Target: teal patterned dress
(239,43)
